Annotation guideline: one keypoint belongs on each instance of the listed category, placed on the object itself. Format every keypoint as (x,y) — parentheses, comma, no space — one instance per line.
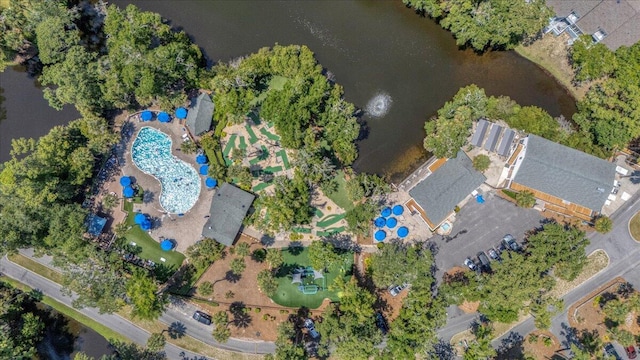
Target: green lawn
(36,267)
(330,220)
(288,293)
(634,227)
(340,195)
(150,248)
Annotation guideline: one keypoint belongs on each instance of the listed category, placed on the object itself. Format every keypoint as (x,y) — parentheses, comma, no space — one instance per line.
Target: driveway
(479,227)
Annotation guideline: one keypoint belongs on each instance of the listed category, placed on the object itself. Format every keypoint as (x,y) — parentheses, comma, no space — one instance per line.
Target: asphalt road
(624,255)
(174,313)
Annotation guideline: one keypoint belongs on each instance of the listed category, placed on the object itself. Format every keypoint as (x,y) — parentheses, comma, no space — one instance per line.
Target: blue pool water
(151,153)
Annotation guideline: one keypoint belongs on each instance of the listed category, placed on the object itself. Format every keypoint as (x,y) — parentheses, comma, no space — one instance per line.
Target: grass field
(634,227)
(37,268)
(340,195)
(288,293)
(150,249)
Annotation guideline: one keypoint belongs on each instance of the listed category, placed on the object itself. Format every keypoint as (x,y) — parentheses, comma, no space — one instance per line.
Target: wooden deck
(413,206)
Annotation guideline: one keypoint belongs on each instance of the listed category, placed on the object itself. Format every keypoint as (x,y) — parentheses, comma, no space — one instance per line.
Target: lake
(398,65)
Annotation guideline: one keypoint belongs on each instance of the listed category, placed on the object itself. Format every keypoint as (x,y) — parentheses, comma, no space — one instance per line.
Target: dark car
(308,323)
(609,350)
(202,317)
(382,323)
(510,242)
(631,352)
(484,261)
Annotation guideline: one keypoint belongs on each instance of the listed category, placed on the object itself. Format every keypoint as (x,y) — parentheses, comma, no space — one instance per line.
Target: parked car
(631,352)
(494,254)
(484,261)
(510,243)
(470,264)
(395,290)
(308,323)
(611,351)
(202,317)
(381,323)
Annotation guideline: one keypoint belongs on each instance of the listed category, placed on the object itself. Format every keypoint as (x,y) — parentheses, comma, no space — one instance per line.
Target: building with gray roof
(439,193)
(200,115)
(614,22)
(229,207)
(564,177)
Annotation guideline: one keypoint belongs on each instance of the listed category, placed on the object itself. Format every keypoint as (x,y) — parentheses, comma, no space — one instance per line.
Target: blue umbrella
(211,183)
(181,113)
(398,210)
(140,218)
(164,117)
(146,115)
(128,192)
(380,235)
(380,222)
(386,212)
(392,222)
(403,232)
(125,181)
(201,159)
(146,225)
(480,199)
(204,169)
(166,245)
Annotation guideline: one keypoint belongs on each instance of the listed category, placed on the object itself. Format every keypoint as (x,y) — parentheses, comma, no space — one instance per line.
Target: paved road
(624,254)
(174,313)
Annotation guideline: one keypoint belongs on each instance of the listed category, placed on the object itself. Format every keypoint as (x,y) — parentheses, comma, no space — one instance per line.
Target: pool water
(151,153)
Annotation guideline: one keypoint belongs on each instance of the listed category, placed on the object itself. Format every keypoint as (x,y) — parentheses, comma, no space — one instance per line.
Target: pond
(397,66)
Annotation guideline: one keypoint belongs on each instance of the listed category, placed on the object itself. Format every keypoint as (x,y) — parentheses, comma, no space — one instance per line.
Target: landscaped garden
(289,294)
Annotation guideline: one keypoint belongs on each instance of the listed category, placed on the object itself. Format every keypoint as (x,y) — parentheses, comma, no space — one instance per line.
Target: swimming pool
(151,153)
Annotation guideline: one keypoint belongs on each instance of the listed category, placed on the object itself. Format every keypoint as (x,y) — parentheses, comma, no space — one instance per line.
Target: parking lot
(479,227)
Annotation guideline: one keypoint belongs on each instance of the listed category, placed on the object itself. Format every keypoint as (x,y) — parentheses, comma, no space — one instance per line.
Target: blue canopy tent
(164,117)
(140,218)
(166,245)
(146,225)
(480,199)
(181,113)
(95,224)
(403,232)
(386,212)
(146,115)
(128,192)
(204,169)
(125,181)
(201,159)
(392,222)
(211,183)
(398,210)
(380,235)
(380,222)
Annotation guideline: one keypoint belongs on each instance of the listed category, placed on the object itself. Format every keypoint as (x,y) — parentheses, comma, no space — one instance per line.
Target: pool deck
(186,229)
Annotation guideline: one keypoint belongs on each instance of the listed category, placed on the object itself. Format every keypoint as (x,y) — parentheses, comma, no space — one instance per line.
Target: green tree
(275,258)
(603,224)
(616,311)
(242,249)
(188,147)
(54,36)
(289,205)
(267,283)
(481,348)
(287,346)
(221,334)
(535,120)
(559,247)
(204,253)
(237,266)
(359,218)
(156,342)
(481,162)
(525,199)
(322,254)
(109,201)
(397,263)
(591,61)
(143,292)
(624,337)
(205,288)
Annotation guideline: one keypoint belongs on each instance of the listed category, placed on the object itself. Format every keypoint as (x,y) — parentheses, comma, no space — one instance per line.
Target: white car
(470,264)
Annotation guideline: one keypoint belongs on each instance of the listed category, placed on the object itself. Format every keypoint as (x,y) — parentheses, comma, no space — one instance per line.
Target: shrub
(525,199)
(603,224)
(481,162)
(259,255)
(206,288)
(257,310)
(284,311)
(265,317)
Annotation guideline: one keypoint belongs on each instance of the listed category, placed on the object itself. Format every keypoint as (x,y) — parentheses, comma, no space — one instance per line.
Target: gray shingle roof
(566,173)
(441,191)
(200,115)
(228,209)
